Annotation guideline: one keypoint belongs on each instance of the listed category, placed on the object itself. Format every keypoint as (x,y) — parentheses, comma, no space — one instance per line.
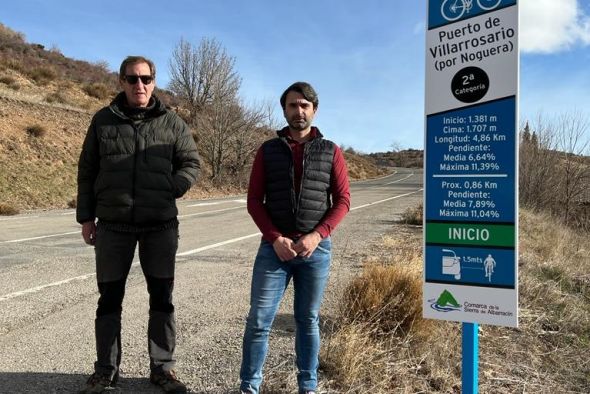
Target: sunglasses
(132,79)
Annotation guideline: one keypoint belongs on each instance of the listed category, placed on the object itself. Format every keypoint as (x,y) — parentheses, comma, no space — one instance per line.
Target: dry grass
(97,90)
(6,210)
(7,80)
(56,97)
(380,340)
(42,75)
(37,131)
(414,215)
(10,81)
(362,167)
(383,298)
(383,346)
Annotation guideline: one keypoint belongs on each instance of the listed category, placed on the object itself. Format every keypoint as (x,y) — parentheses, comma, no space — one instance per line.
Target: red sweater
(339,189)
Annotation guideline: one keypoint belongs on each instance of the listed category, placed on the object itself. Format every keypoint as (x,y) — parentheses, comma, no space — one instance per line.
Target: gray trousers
(114,256)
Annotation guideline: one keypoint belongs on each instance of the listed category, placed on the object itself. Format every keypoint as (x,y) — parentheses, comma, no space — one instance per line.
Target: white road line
(187,253)
(68,213)
(204,204)
(18,218)
(78,232)
(41,237)
(39,288)
(399,180)
(374,179)
(136,263)
(385,200)
(205,213)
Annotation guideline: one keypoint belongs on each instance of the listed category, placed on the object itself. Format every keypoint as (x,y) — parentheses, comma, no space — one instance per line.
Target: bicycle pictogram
(452,10)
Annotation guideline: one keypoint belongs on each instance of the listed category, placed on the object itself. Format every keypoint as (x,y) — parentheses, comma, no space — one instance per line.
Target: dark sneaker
(168,381)
(99,383)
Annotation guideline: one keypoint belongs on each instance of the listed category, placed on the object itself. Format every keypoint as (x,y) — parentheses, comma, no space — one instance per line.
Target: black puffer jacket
(131,171)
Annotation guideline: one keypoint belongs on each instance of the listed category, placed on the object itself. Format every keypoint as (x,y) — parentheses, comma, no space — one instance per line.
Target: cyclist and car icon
(451,264)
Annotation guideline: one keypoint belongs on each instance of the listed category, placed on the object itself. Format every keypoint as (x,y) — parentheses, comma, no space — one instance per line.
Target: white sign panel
(471,150)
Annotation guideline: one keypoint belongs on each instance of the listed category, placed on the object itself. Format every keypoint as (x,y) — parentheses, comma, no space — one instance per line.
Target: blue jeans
(270,279)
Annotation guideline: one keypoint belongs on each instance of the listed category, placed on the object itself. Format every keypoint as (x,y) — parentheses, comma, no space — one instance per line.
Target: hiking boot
(168,381)
(99,383)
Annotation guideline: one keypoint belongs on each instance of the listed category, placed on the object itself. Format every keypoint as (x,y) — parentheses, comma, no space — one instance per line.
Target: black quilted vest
(289,212)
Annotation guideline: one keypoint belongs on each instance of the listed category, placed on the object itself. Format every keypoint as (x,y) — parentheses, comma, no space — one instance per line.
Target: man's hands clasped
(286,249)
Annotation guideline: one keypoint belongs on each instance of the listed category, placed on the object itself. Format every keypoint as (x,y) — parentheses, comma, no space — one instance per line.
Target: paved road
(48,292)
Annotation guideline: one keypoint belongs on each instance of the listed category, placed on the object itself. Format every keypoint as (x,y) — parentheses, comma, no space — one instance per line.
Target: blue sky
(365,58)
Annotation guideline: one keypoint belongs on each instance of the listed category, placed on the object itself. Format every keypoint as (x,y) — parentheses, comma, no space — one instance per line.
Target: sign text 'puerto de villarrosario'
(471,142)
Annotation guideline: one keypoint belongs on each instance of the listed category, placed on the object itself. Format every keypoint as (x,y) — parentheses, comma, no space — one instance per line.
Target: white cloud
(549,26)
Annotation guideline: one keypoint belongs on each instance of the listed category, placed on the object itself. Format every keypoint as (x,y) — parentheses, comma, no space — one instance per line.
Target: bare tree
(573,144)
(226,130)
(203,74)
(271,120)
(229,134)
(554,167)
(248,135)
(215,124)
(538,165)
(398,153)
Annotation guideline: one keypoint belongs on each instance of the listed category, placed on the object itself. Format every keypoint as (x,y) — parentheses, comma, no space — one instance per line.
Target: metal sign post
(469,363)
(471,171)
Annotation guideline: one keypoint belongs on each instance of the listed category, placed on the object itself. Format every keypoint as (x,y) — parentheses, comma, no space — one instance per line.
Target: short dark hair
(134,60)
(305,89)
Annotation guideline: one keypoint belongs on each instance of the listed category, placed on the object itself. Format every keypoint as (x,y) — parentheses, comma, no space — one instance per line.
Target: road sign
(471,146)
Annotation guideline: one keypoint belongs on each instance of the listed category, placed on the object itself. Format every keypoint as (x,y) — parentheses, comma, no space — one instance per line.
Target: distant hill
(46,104)
(409,158)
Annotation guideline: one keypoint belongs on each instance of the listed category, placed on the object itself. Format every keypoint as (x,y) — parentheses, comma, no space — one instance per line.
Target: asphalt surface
(48,292)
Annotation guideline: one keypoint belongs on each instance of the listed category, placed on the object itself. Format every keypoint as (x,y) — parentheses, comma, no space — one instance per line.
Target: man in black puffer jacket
(137,158)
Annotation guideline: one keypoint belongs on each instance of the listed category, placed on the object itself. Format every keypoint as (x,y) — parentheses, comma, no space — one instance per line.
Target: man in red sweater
(298,194)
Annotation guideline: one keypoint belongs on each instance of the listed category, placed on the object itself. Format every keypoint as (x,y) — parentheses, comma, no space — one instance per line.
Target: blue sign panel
(443,12)
(471,163)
